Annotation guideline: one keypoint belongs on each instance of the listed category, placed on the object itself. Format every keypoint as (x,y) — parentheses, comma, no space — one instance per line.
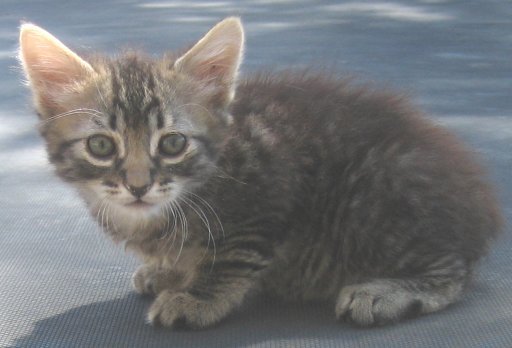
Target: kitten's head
(133,133)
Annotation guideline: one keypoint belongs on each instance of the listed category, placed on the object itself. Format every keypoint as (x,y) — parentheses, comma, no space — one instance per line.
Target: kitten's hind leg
(384,301)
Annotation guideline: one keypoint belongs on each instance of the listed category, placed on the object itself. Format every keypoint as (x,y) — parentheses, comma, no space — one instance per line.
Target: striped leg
(384,301)
(217,290)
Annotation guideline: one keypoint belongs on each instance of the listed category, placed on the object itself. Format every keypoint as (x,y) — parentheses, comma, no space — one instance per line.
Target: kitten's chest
(183,258)
(181,249)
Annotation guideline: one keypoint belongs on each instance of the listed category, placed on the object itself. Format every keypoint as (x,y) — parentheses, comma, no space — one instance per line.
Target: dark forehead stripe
(112,122)
(116,87)
(133,84)
(160,120)
(116,100)
(151,82)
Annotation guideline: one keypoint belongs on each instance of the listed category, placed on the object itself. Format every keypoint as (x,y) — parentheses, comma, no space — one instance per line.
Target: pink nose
(138,191)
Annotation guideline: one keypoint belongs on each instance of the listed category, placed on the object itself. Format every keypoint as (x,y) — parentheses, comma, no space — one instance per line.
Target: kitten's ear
(215,59)
(52,69)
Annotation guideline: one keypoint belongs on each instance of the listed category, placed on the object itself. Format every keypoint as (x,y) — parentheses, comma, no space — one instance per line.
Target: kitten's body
(301,187)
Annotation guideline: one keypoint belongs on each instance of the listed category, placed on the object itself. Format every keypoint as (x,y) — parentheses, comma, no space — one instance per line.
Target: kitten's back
(339,135)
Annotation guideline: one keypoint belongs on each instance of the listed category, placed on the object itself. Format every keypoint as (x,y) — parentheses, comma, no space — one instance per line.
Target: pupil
(172,144)
(101,146)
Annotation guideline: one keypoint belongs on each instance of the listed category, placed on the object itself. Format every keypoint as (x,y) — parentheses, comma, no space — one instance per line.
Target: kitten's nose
(138,191)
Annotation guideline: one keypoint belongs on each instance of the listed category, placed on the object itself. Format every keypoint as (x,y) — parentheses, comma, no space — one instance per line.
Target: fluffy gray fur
(293,184)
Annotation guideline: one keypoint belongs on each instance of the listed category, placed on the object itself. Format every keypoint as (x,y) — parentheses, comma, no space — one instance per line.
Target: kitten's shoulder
(292,82)
(318,95)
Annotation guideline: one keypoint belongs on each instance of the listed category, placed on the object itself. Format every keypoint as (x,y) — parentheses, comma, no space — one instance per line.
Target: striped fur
(300,186)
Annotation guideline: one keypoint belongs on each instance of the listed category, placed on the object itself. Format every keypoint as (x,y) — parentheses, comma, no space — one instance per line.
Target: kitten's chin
(133,220)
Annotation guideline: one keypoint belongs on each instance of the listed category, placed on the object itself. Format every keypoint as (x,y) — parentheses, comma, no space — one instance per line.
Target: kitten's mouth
(139,204)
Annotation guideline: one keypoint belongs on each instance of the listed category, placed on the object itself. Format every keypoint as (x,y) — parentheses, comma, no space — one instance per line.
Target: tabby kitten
(295,185)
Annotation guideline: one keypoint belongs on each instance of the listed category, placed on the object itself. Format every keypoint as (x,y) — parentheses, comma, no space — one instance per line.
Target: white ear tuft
(216,58)
(50,67)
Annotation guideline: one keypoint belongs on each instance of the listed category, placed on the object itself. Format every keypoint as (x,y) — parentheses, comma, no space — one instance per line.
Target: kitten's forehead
(135,99)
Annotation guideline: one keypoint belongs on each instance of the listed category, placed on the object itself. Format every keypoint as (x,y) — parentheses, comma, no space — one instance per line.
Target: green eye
(172,144)
(101,146)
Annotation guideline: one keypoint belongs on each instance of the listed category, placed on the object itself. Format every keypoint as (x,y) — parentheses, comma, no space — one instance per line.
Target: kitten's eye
(172,144)
(101,146)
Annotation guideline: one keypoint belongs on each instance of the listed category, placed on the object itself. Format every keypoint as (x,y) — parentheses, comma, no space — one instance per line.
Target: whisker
(173,212)
(109,207)
(202,216)
(184,226)
(104,206)
(226,175)
(210,208)
(97,237)
(166,224)
(175,225)
(81,111)
(101,95)
(99,208)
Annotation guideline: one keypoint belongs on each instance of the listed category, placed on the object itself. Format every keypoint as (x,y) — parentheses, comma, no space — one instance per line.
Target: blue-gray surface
(63,284)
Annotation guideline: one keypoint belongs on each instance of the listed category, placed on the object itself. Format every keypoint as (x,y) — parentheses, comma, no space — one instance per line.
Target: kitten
(294,184)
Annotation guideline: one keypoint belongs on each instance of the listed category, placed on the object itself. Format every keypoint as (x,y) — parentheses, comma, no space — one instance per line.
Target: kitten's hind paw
(382,302)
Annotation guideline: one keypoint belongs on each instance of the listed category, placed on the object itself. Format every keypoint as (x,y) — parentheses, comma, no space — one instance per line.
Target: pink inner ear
(46,71)
(49,64)
(221,67)
(216,57)
(215,68)
(51,67)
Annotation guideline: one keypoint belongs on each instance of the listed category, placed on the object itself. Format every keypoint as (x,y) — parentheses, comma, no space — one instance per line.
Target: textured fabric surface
(62,284)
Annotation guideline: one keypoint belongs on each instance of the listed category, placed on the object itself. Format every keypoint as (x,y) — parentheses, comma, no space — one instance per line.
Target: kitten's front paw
(151,280)
(172,309)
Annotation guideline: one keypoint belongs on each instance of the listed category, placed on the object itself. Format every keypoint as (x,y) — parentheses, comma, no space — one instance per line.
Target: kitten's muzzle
(137,180)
